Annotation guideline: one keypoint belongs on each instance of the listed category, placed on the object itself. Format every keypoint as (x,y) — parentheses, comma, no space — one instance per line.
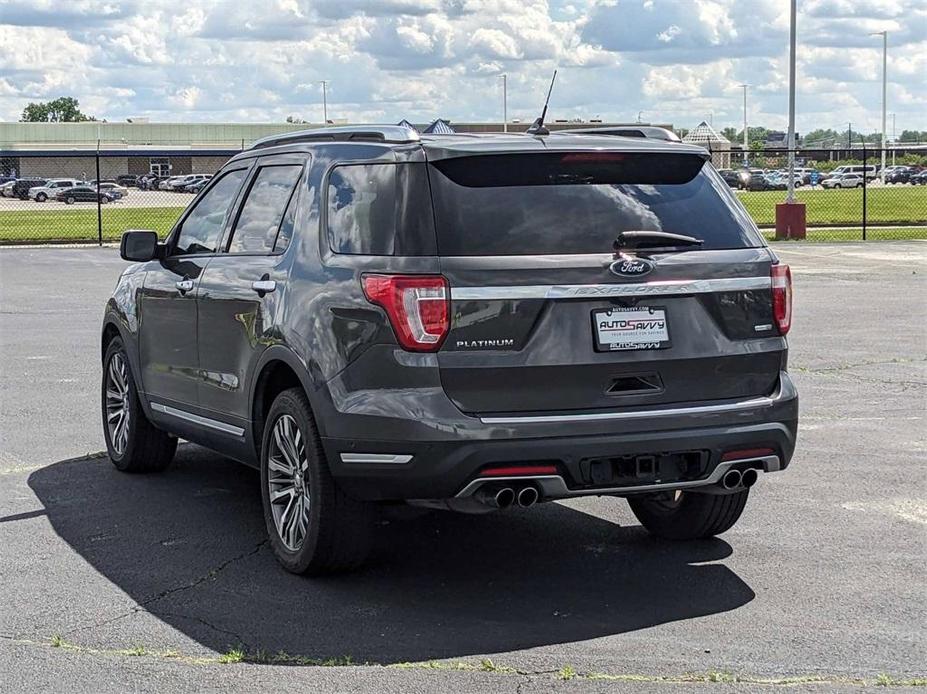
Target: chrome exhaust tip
(749,477)
(504,498)
(527,497)
(495,497)
(731,479)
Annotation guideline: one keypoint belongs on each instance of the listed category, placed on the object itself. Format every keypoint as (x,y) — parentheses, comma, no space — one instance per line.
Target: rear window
(566,203)
(379,209)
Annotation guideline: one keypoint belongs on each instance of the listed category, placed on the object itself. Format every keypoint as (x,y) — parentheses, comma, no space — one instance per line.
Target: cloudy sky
(677,61)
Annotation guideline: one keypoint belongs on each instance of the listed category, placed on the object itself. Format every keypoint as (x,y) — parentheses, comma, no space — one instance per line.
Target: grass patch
(233,655)
(57,641)
(18,226)
(566,673)
(889,205)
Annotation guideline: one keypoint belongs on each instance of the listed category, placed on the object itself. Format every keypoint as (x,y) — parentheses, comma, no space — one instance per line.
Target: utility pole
(639,116)
(790,197)
(791,220)
(884,35)
(505,102)
(746,144)
(324,84)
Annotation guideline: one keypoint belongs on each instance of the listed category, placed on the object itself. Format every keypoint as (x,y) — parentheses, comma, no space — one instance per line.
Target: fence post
(865,186)
(99,204)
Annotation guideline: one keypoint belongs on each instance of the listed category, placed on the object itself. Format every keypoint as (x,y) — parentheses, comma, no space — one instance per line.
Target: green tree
(64,109)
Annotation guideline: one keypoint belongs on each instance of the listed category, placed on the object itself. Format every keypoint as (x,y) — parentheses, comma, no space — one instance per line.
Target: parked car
(181,183)
(194,187)
(731,177)
(23,185)
(6,189)
(390,357)
(845,180)
(919,179)
(52,188)
(115,190)
(900,174)
(755,179)
(127,180)
(85,194)
(869,170)
(151,182)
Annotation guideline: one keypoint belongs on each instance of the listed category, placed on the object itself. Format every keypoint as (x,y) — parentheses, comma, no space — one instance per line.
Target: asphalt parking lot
(115,582)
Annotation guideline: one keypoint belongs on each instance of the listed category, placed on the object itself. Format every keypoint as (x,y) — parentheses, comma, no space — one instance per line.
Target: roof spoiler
(650,132)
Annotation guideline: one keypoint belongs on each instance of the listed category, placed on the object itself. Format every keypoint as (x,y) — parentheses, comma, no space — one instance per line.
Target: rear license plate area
(622,328)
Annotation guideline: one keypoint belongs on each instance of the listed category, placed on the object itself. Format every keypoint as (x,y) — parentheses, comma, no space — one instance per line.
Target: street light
(790,197)
(505,102)
(884,35)
(324,84)
(639,115)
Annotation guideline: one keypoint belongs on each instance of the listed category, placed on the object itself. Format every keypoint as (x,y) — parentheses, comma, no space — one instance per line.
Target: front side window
(201,230)
(258,223)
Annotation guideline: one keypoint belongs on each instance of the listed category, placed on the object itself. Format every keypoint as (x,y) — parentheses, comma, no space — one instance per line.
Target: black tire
(41,197)
(338,529)
(69,201)
(687,515)
(146,448)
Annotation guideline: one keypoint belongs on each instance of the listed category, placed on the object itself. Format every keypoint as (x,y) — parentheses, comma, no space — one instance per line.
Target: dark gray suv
(461,322)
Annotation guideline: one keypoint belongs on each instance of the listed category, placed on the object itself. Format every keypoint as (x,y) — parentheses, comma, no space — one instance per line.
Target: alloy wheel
(288,482)
(117,403)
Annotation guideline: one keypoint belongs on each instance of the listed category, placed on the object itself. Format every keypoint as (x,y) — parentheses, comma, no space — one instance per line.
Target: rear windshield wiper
(653,239)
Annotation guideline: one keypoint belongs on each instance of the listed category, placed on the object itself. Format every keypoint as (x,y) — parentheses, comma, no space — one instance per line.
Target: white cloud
(677,61)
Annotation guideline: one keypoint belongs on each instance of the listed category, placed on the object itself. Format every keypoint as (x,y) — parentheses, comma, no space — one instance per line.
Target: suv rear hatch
(547,316)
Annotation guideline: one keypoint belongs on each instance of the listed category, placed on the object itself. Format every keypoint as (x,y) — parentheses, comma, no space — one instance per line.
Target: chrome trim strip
(197,419)
(375,458)
(554,486)
(580,291)
(631,414)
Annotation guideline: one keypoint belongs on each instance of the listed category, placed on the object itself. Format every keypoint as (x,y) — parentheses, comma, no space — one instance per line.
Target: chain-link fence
(88,196)
(83,196)
(847,194)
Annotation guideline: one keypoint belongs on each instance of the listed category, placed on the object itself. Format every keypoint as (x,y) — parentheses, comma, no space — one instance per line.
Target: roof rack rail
(650,132)
(394,134)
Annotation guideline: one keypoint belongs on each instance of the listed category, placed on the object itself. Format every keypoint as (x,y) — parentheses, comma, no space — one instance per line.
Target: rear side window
(261,214)
(379,209)
(578,202)
(202,228)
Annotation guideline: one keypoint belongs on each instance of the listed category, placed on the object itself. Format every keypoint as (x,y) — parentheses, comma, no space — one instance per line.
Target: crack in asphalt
(848,367)
(140,607)
(239,641)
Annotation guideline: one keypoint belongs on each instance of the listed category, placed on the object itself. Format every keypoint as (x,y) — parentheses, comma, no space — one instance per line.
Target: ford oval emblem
(626,266)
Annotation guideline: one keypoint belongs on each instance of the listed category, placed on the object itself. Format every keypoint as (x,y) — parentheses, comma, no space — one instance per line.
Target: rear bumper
(410,467)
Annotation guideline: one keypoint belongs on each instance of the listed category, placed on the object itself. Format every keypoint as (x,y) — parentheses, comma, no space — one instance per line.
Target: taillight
(782,297)
(418,307)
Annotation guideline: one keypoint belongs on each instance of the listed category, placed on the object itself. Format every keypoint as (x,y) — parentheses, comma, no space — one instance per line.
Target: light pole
(639,115)
(505,102)
(746,145)
(884,35)
(790,197)
(324,84)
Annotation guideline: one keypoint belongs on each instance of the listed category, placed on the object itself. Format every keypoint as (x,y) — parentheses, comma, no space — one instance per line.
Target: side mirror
(139,246)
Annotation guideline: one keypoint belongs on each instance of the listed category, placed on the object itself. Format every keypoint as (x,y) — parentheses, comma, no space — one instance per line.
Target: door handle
(184,286)
(263,286)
